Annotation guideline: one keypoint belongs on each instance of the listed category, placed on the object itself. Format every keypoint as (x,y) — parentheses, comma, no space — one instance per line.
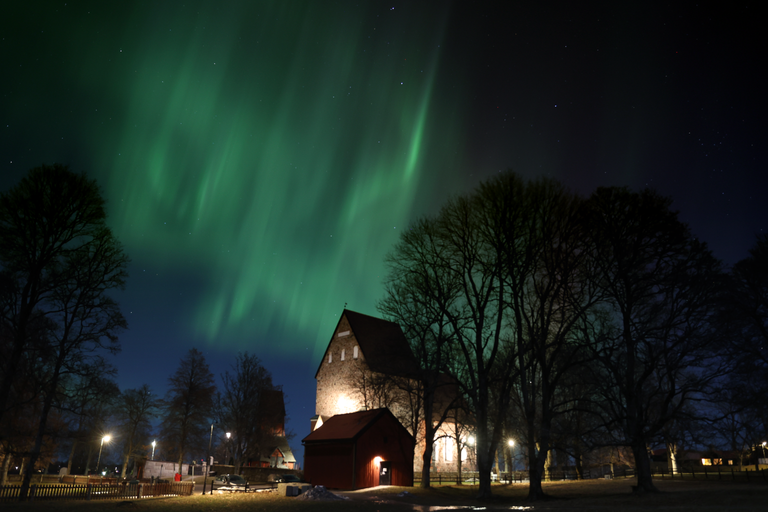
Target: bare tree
(87,396)
(550,289)
(59,260)
(744,320)
(245,409)
(188,406)
(416,298)
(135,410)
(456,263)
(653,347)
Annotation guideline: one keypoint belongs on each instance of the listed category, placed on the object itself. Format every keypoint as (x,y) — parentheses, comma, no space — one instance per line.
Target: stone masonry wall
(336,393)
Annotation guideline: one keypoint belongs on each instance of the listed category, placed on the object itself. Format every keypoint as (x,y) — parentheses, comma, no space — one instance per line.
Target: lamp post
(763,446)
(509,461)
(98,461)
(208,462)
(154,443)
(229,434)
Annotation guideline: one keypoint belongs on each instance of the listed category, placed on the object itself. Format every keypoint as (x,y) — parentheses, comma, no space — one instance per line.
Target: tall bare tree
(550,290)
(416,297)
(87,396)
(188,407)
(58,260)
(744,318)
(459,262)
(653,348)
(136,408)
(246,409)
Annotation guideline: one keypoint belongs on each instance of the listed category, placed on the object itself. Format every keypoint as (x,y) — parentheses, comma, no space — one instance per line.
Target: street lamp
(763,445)
(509,462)
(98,461)
(208,462)
(154,443)
(229,434)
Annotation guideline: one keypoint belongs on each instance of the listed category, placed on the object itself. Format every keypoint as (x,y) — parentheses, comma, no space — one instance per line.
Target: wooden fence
(95,491)
(715,473)
(698,472)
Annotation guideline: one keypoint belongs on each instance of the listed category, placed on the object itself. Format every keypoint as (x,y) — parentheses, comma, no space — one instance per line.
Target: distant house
(359,450)
(686,459)
(364,357)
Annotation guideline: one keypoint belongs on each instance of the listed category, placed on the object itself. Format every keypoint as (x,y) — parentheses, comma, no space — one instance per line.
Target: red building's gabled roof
(343,427)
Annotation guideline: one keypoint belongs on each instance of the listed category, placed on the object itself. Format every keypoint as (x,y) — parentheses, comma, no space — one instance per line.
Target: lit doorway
(385,473)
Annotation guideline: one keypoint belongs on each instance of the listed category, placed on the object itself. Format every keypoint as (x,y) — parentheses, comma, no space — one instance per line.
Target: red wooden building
(358,450)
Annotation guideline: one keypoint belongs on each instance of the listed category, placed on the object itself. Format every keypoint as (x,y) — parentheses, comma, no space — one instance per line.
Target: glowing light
(511,442)
(344,404)
(377,460)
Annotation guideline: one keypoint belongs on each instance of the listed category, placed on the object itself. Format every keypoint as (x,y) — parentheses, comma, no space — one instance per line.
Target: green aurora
(260,158)
(272,150)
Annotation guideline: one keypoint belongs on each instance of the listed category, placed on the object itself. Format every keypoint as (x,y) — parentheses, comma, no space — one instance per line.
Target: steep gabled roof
(281,445)
(348,427)
(382,343)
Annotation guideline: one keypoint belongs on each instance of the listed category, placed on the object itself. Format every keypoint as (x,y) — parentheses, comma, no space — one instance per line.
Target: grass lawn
(598,495)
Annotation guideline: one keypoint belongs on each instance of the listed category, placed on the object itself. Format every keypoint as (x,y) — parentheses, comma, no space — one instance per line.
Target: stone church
(367,365)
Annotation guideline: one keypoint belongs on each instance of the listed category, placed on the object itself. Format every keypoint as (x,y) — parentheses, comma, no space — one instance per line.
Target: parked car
(233,481)
(284,478)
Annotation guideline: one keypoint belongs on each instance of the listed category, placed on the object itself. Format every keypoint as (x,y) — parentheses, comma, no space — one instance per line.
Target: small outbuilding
(359,450)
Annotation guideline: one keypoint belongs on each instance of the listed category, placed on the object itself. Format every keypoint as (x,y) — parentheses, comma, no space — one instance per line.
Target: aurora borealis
(259,158)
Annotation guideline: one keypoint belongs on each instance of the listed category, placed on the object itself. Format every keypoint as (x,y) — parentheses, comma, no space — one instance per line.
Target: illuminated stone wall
(338,380)
(338,373)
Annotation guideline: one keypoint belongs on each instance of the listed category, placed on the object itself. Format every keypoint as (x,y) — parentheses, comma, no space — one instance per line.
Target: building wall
(166,469)
(445,453)
(338,393)
(336,390)
(339,380)
(329,465)
(386,439)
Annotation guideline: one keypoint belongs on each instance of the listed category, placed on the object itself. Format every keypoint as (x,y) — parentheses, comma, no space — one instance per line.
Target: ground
(593,495)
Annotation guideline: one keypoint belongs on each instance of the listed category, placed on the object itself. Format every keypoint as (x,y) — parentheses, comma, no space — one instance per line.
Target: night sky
(259,159)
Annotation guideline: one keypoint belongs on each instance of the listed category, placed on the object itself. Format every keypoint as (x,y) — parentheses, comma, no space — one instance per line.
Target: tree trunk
(579,463)
(535,471)
(537,455)
(672,458)
(426,461)
(548,464)
(71,456)
(126,459)
(4,471)
(643,465)
(12,363)
(35,454)
(484,463)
